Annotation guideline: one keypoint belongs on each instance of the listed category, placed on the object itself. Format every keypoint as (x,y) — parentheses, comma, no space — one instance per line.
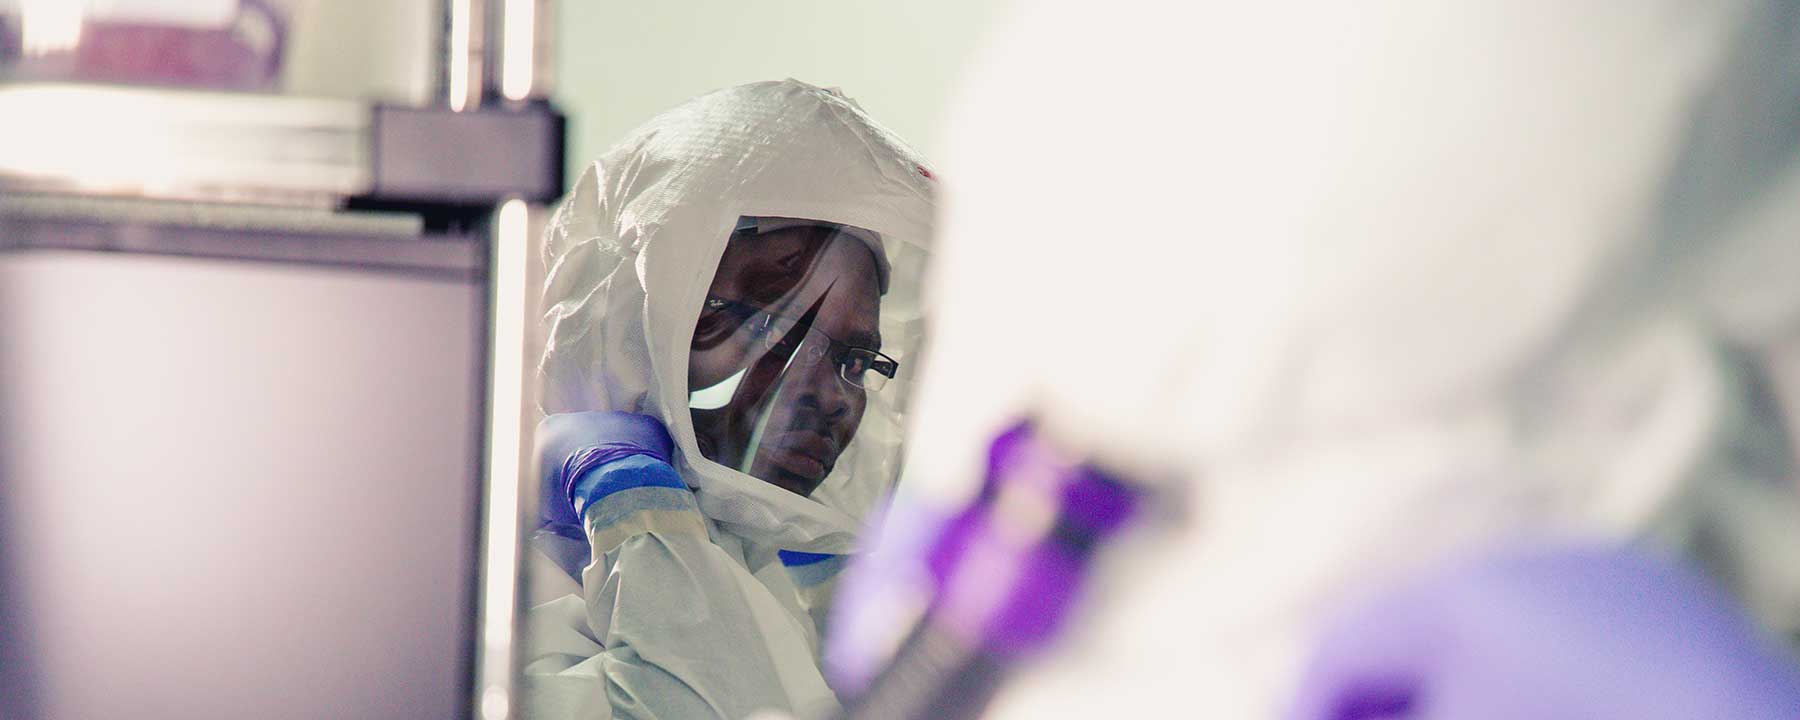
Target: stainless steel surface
(270,149)
(280,488)
(385,241)
(182,144)
(236,489)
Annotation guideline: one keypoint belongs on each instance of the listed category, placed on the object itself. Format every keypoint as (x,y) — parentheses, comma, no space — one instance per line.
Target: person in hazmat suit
(731,312)
(1382,285)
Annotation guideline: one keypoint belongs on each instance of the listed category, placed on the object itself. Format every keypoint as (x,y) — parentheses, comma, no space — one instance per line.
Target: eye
(859,361)
(883,365)
(854,363)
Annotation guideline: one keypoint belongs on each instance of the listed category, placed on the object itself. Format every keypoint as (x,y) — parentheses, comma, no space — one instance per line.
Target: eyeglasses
(862,367)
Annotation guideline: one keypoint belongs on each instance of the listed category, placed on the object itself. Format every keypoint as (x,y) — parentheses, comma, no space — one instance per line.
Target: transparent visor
(786,354)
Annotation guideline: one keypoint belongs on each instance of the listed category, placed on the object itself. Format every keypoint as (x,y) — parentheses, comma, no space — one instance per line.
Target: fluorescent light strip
(49,26)
(518,51)
(505,444)
(460,12)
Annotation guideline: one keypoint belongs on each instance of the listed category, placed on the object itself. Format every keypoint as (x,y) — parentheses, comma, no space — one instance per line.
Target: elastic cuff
(633,496)
(816,572)
(620,474)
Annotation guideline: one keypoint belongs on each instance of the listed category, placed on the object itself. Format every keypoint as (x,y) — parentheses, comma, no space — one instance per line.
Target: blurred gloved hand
(1590,634)
(572,446)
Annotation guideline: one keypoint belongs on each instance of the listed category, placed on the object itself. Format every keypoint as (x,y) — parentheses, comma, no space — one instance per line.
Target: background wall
(619,62)
(364,49)
(386,49)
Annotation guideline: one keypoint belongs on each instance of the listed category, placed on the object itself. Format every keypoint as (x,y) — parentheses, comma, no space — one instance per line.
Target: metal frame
(221,147)
(369,241)
(183,172)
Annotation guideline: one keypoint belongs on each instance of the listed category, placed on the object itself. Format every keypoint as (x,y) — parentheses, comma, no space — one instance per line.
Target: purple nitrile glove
(1548,634)
(571,444)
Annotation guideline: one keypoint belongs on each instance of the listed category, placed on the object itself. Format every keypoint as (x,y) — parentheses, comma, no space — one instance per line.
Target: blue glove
(1570,633)
(572,448)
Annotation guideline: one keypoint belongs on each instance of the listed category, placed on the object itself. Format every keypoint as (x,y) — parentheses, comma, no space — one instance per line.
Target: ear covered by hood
(633,248)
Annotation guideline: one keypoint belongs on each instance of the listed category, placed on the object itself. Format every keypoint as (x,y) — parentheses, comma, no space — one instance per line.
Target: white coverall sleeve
(815,581)
(677,628)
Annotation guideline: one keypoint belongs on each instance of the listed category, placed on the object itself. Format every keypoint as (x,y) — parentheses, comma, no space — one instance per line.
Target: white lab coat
(685,611)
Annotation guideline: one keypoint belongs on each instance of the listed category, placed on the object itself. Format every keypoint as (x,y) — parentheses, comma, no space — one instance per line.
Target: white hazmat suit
(684,610)
(1382,283)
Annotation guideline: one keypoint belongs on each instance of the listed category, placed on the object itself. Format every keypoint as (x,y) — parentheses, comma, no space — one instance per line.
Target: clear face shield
(787,354)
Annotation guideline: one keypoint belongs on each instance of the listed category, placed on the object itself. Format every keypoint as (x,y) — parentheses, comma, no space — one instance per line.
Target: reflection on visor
(863,367)
(787,350)
(715,397)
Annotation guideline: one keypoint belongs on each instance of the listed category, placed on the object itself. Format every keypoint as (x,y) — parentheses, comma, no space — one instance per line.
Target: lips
(805,453)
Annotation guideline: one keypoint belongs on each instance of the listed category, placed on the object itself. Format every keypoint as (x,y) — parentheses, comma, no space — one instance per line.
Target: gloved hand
(573,447)
(1586,633)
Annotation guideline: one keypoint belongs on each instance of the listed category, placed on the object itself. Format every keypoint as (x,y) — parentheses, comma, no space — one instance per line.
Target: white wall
(385,49)
(619,62)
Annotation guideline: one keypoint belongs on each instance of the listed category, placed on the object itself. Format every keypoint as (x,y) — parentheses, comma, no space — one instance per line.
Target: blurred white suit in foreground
(1382,283)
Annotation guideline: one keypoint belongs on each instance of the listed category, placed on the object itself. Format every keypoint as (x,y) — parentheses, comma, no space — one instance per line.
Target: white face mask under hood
(632,249)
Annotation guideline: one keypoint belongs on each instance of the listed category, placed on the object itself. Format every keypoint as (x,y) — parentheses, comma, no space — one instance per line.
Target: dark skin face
(808,413)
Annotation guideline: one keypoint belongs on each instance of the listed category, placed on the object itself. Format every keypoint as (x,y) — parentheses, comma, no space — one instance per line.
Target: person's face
(805,411)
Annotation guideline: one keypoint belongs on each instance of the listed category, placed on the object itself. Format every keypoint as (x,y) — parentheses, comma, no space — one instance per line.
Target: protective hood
(1380,282)
(631,250)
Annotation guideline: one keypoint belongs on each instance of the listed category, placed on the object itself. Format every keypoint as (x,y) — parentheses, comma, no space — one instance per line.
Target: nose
(822,389)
